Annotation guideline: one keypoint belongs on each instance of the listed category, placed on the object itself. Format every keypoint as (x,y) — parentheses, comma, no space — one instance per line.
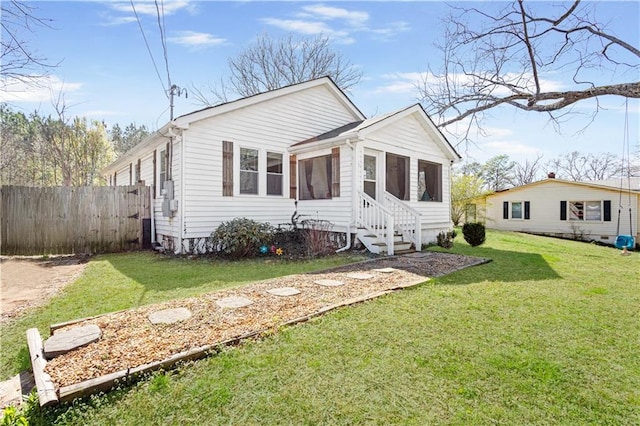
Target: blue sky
(106,72)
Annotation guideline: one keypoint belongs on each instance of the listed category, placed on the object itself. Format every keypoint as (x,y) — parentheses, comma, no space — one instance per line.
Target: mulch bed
(130,340)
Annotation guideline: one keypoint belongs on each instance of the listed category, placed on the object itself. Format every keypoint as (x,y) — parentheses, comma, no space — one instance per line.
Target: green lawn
(547,333)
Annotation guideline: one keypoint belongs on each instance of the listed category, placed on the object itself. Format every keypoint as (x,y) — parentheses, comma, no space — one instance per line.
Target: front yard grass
(547,333)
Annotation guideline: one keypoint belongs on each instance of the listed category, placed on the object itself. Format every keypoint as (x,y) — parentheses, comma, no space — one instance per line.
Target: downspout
(153,214)
(348,244)
(182,185)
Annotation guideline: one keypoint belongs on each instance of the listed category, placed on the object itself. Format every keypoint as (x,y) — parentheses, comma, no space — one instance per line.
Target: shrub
(317,237)
(445,239)
(241,237)
(474,233)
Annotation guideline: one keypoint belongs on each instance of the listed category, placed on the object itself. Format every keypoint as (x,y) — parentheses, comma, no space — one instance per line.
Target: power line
(148,48)
(163,39)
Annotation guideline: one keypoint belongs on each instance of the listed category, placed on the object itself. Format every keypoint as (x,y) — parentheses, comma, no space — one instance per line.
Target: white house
(304,147)
(582,210)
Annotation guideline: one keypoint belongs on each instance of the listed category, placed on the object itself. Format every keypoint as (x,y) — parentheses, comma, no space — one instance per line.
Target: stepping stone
(418,254)
(233,302)
(169,316)
(284,291)
(359,276)
(74,338)
(385,270)
(329,283)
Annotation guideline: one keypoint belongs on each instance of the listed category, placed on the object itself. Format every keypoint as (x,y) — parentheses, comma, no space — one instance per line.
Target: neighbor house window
(516,210)
(274,173)
(248,171)
(315,178)
(585,210)
(429,181)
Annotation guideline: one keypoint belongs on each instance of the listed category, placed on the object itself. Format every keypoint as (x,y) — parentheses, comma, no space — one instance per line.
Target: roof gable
(563,182)
(185,120)
(360,129)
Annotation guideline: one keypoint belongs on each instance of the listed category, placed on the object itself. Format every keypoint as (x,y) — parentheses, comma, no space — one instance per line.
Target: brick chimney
(551,175)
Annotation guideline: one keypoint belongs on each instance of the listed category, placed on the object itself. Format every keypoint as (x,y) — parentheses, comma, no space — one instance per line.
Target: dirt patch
(26,282)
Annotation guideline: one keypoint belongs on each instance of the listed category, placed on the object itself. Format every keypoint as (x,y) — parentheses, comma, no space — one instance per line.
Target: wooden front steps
(376,246)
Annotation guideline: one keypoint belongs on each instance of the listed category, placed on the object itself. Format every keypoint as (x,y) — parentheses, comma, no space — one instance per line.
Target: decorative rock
(385,270)
(329,283)
(284,291)
(74,338)
(233,302)
(359,276)
(169,316)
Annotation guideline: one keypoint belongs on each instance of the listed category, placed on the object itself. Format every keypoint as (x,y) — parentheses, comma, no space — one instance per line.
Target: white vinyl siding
(547,200)
(270,126)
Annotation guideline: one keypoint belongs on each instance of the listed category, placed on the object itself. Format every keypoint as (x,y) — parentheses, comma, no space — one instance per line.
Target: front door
(370,174)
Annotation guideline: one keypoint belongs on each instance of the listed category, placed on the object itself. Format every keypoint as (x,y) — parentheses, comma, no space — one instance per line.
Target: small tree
(474,233)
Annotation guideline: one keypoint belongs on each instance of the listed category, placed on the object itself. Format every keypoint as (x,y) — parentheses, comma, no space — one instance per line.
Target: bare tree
(527,172)
(584,167)
(273,63)
(508,57)
(18,63)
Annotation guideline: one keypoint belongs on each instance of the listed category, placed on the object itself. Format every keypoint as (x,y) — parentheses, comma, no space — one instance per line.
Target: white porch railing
(406,219)
(375,218)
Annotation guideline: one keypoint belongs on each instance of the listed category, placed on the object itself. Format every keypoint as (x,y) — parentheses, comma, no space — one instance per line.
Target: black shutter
(563,210)
(607,210)
(227,169)
(527,208)
(505,210)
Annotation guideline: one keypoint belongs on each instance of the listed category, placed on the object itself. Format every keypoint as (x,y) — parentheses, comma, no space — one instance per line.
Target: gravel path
(130,340)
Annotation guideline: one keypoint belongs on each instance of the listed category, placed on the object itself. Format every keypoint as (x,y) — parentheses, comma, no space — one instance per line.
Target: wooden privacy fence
(62,220)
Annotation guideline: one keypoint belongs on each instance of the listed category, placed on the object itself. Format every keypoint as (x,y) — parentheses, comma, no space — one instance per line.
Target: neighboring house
(304,148)
(580,210)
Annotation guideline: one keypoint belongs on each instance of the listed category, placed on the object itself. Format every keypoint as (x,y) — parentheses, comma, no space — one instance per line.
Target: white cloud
(145,8)
(356,18)
(401,82)
(391,30)
(337,23)
(35,89)
(149,7)
(196,39)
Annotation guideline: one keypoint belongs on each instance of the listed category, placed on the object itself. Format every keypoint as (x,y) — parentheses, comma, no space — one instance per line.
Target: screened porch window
(397,176)
(274,173)
(248,171)
(315,178)
(429,181)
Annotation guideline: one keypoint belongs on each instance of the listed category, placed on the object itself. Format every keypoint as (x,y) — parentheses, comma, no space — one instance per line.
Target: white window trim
(511,210)
(283,158)
(262,171)
(584,207)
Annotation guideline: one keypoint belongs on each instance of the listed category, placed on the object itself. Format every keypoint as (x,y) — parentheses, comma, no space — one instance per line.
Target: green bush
(241,237)
(445,239)
(474,233)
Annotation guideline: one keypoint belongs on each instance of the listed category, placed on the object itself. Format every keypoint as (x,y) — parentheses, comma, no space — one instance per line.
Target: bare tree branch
(273,63)
(512,57)
(17,61)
